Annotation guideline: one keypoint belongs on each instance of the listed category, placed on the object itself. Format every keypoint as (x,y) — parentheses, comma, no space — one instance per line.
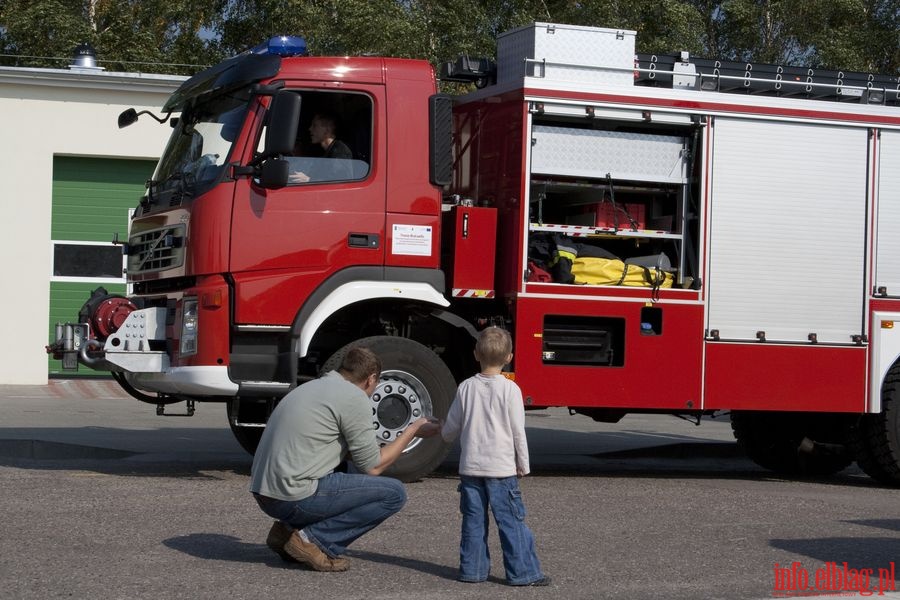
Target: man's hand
(421,427)
(298,177)
(428,426)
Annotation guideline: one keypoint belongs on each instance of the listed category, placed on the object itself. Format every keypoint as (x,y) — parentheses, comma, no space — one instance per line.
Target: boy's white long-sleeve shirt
(488,416)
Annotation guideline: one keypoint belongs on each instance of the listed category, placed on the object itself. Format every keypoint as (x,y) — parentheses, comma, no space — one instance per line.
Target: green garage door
(92,198)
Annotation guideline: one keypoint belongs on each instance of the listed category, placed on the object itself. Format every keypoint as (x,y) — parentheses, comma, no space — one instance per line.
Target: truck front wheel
(414,383)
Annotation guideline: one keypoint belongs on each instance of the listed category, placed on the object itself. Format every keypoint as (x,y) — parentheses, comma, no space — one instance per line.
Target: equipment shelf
(586,230)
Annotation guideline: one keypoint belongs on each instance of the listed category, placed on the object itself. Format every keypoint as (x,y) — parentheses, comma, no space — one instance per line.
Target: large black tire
(247,437)
(414,382)
(875,439)
(794,444)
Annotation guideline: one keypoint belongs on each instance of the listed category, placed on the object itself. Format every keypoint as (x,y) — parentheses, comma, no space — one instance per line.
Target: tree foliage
(181,36)
(128,35)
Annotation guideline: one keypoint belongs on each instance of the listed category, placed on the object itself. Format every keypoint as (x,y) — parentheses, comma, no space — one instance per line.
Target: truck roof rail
(685,71)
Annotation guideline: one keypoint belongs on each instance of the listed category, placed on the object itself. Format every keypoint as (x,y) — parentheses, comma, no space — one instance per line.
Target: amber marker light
(887,324)
(212,300)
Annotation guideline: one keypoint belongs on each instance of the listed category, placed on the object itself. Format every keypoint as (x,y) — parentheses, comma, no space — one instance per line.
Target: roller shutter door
(92,198)
(787,231)
(887,265)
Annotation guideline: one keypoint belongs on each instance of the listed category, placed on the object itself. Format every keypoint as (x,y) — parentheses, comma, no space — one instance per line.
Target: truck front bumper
(130,351)
(192,381)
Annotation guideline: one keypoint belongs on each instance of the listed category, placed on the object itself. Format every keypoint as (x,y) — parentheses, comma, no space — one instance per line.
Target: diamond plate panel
(570,52)
(589,153)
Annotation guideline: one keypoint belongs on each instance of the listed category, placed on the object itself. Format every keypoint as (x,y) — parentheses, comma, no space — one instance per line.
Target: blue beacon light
(283,45)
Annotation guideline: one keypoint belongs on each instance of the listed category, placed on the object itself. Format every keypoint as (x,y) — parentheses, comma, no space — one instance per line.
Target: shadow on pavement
(415,564)
(166,452)
(889,524)
(194,453)
(217,546)
(876,553)
(41,450)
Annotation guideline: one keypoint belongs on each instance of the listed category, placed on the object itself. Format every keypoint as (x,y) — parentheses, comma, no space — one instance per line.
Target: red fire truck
(660,234)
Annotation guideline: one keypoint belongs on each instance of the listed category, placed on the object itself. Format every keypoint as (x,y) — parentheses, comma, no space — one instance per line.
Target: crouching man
(319,512)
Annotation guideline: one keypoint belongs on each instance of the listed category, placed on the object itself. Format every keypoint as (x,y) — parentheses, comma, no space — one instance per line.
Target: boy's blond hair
(493,347)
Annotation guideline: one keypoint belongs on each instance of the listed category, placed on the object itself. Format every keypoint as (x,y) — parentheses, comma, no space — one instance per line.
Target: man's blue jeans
(344,507)
(516,540)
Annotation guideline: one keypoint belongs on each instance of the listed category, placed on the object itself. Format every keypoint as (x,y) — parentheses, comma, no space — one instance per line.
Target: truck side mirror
(284,119)
(440,142)
(127,117)
(273,173)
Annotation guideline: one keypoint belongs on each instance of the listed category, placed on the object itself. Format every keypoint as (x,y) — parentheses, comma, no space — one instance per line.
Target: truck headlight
(189,321)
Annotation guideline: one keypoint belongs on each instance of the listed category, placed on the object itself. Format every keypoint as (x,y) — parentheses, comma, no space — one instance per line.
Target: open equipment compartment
(620,185)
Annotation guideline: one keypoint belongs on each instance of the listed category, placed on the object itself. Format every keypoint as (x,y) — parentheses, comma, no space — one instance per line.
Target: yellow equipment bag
(612,271)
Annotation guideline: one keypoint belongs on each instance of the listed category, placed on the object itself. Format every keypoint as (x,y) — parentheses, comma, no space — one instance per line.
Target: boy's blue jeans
(344,507)
(516,540)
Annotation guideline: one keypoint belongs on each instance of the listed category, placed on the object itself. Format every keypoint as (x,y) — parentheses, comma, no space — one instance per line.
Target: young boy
(489,415)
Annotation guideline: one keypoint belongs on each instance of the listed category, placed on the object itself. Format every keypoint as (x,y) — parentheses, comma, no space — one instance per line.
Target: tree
(144,33)
(861,35)
(181,36)
(37,31)
(131,35)
(331,27)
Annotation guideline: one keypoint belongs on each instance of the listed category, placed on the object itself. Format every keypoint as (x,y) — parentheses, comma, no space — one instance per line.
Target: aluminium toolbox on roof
(566,53)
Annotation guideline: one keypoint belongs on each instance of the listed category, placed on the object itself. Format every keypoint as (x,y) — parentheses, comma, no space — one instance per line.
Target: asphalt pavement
(102,498)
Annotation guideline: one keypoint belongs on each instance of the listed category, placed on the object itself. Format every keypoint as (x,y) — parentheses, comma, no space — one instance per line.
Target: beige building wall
(46,113)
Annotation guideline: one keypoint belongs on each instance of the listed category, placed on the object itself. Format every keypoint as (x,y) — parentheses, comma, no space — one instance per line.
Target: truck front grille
(156,250)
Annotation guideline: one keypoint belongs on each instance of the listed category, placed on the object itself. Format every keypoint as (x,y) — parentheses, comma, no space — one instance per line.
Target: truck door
(330,215)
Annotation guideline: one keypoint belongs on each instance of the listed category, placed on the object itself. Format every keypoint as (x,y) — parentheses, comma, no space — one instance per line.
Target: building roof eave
(91,78)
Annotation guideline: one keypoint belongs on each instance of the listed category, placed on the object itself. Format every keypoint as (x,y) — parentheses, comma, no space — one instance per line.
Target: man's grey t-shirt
(308,434)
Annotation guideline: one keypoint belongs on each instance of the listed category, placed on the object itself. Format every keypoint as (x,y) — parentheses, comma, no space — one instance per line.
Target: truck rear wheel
(794,444)
(414,383)
(875,438)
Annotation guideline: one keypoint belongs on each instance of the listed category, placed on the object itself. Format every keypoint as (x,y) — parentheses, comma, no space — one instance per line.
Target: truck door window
(334,139)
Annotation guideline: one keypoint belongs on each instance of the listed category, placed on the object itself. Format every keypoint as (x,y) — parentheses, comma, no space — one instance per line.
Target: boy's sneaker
(543,581)
(278,536)
(310,554)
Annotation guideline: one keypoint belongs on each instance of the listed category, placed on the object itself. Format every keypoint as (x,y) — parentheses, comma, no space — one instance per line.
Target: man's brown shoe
(278,536)
(310,554)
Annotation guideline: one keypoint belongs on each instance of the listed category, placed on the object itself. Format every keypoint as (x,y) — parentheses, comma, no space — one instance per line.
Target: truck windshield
(197,150)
